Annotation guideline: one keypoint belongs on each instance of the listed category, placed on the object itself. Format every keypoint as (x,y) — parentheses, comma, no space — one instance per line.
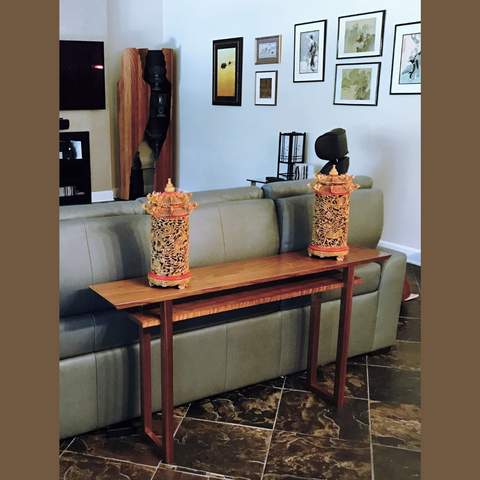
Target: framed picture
(309,51)
(266,88)
(268,50)
(361,35)
(357,84)
(407,59)
(227,72)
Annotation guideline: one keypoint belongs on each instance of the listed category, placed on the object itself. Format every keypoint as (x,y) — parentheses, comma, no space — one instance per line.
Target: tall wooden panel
(133,99)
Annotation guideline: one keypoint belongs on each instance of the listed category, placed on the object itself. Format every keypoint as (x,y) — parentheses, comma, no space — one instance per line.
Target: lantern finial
(333,171)
(169,187)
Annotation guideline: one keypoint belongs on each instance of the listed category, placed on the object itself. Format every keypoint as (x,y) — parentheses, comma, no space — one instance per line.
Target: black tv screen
(82,75)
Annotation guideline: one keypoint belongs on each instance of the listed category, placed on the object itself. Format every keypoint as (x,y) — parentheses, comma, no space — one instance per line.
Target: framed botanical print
(227,72)
(266,88)
(361,35)
(357,84)
(309,51)
(407,59)
(268,50)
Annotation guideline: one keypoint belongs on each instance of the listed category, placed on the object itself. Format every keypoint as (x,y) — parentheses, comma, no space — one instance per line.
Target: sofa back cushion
(129,207)
(100,250)
(276,190)
(232,231)
(295,219)
(221,195)
(107,249)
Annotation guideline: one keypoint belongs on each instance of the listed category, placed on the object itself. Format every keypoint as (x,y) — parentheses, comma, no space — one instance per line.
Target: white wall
(222,146)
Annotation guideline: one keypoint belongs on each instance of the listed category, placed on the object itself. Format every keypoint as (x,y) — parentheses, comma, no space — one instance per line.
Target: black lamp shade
(332,145)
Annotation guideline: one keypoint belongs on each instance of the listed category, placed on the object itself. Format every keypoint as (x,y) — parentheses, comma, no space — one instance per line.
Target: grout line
(231,423)
(111,459)
(273,428)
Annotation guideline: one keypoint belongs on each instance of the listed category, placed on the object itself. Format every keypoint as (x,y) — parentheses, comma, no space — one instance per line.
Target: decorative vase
(330,217)
(169,236)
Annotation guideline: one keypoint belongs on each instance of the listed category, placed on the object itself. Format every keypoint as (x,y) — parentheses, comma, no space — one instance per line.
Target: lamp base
(324,252)
(180,281)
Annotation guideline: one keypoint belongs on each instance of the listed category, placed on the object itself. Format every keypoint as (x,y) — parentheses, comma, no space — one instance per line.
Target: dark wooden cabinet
(75,180)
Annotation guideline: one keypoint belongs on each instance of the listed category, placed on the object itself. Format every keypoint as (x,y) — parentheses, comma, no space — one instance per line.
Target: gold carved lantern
(169,236)
(330,217)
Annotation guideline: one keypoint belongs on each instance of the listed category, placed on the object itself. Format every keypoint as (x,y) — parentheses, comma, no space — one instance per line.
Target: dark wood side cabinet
(75,180)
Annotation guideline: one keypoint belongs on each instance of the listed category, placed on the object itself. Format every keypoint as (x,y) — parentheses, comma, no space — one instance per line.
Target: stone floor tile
(255,406)
(394,386)
(306,413)
(396,425)
(355,384)
(295,456)
(395,463)
(402,355)
(232,450)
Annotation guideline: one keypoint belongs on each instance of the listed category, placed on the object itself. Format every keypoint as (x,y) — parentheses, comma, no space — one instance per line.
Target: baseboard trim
(106,196)
(413,255)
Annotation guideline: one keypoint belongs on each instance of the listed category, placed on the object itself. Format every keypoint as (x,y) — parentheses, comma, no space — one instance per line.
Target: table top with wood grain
(293,270)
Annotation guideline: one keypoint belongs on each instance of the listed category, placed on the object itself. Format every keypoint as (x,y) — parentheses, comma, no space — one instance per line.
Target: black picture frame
(407,63)
(308,67)
(357,84)
(227,69)
(361,35)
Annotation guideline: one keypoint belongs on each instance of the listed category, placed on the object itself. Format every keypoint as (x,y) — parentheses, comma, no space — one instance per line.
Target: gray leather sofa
(99,354)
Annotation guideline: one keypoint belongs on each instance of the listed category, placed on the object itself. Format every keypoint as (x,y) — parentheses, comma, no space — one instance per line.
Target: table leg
(313,339)
(338,397)
(343,336)
(167,381)
(145,381)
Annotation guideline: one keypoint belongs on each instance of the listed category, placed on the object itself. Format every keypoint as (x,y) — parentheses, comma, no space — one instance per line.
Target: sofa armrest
(389,298)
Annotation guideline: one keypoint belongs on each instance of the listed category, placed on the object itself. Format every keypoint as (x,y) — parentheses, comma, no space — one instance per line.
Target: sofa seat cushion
(105,329)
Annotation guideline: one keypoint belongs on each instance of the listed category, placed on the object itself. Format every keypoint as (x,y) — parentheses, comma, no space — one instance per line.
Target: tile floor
(279,431)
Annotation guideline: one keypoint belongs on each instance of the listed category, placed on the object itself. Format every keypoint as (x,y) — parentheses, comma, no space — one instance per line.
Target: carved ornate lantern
(169,235)
(330,217)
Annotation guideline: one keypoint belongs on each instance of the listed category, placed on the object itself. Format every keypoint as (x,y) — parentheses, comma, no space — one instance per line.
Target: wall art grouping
(359,37)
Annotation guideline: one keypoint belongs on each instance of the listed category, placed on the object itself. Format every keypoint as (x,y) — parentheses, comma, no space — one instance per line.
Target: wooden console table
(230,286)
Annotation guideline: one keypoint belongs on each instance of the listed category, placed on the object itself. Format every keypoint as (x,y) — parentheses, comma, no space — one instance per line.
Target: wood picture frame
(361,35)
(309,51)
(357,84)
(268,50)
(266,88)
(407,59)
(227,72)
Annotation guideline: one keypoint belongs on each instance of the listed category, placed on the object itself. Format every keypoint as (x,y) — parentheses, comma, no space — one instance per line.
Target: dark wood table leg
(145,381)
(313,339)
(165,444)
(338,397)
(167,381)
(343,336)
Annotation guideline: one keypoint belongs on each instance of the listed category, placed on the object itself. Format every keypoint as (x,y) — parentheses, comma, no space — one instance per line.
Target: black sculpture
(155,74)
(332,146)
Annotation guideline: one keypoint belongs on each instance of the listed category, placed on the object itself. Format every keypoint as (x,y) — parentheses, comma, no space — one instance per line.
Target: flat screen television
(82,75)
